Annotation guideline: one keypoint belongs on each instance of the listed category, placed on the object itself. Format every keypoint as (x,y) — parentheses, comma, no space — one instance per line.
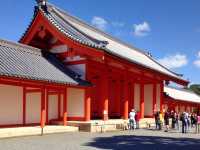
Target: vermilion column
(154,98)
(87,104)
(24,105)
(43,109)
(142,100)
(105,97)
(126,99)
(65,107)
(161,96)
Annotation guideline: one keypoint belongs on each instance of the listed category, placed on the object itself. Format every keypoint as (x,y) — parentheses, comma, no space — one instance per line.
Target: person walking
(137,119)
(132,120)
(173,116)
(184,122)
(166,120)
(198,124)
(159,121)
(156,116)
(177,116)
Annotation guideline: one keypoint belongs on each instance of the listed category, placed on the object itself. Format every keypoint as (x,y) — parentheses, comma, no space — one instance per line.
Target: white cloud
(174,61)
(197,62)
(198,54)
(142,29)
(99,22)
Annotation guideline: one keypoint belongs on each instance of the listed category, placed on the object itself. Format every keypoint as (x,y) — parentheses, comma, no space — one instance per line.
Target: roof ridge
(98,30)
(19,46)
(85,24)
(182,89)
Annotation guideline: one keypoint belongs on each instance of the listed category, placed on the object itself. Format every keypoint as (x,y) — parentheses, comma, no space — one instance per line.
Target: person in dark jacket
(166,120)
(183,119)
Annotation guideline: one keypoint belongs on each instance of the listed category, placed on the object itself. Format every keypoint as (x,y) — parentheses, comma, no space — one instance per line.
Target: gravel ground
(139,139)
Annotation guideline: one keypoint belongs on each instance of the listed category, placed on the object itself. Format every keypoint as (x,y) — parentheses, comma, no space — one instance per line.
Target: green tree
(195,88)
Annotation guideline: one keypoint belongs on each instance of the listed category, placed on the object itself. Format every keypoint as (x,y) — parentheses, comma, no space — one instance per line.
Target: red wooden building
(95,76)
(181,100)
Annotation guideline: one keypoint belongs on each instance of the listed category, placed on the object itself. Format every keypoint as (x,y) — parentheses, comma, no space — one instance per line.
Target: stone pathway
(143,139)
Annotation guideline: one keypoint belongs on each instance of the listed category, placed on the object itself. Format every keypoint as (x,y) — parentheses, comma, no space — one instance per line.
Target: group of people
(134,118)
(185,120)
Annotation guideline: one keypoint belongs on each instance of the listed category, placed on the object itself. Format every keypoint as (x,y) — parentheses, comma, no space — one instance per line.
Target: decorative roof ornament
(42,3)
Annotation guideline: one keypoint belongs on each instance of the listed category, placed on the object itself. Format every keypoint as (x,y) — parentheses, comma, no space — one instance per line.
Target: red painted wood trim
(65,108)
(47,106)
(87,105)
(142,100)
(24,105)
(76,118)
(126,99)
(154,98)
(59,105)
(105,97)
(76,62)
(43,111)
(161,96)
(18,125)
(32,90)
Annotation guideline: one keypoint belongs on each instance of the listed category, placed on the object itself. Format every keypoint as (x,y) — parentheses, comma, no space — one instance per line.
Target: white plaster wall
(137,97)
(11,104)
(80,69)
(53,107)
(33,107)
(75,102)
(148,98)
(158,97)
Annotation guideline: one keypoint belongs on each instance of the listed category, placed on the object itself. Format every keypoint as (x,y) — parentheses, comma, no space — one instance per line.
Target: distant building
(181,100)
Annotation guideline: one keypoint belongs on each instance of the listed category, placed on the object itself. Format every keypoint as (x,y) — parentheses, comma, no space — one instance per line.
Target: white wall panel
(11,106)
(137,97)
(75,102)
(33,107)
(148,98)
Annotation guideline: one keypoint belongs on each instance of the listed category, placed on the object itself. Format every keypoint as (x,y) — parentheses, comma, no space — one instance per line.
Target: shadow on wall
(144,143)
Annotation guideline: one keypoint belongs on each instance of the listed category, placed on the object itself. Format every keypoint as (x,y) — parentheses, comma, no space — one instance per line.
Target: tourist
(193,122)
(187,120)
(198,124)
(137,119)
(159,120)
(173,116)
(177,116)
(184,122)
(156,116)
(132,119)
(166,120)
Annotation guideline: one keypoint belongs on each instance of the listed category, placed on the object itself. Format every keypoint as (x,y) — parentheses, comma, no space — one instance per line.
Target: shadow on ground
(127,142)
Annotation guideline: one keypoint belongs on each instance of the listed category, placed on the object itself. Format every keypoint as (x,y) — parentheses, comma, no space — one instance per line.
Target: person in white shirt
(132,119)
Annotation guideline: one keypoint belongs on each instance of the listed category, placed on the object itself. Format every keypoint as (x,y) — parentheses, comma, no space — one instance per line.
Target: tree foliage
(195,88)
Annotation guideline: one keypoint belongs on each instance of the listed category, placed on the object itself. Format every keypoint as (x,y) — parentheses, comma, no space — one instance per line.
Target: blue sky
(169,30)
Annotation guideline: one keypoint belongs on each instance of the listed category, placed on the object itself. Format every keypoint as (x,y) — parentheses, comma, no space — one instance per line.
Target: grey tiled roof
(21,61)
(83,33)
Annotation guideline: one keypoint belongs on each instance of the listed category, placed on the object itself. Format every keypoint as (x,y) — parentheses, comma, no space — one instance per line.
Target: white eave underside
(115,46)
(182,94)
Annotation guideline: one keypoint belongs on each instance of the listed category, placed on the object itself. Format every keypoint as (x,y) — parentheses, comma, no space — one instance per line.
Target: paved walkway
(124,140)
